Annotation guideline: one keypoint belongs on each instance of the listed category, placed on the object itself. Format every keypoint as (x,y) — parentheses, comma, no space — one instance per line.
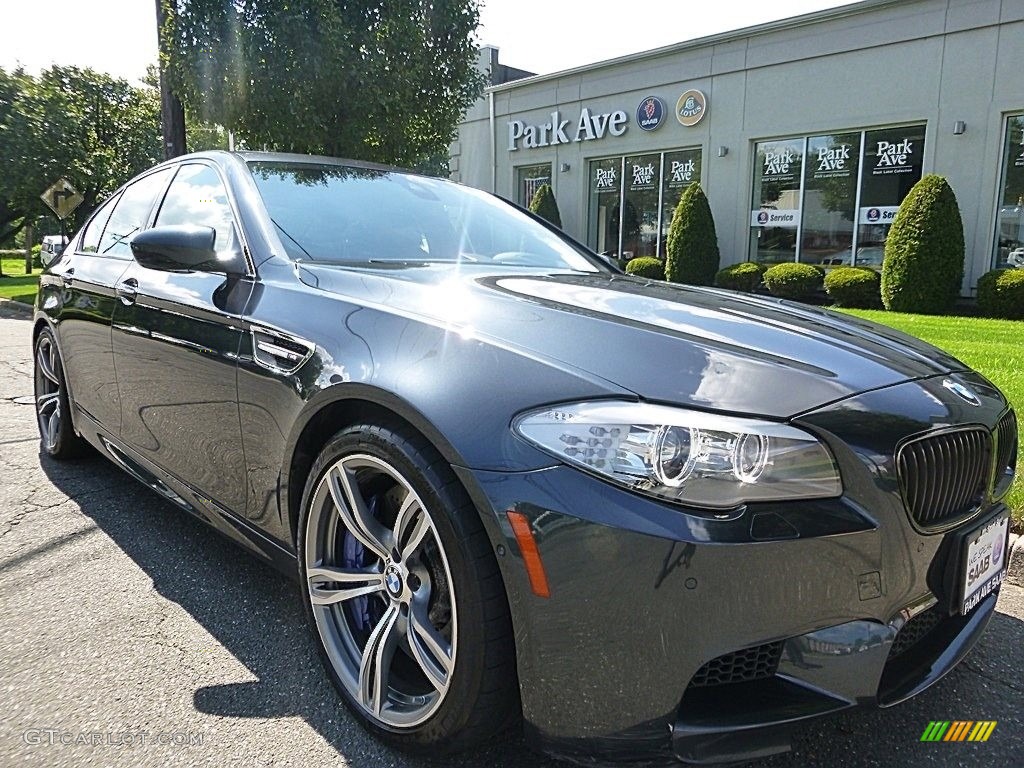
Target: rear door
(89,275)
(175,344)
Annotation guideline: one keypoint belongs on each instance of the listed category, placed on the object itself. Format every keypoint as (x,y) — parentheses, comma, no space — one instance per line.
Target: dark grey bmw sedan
(519,489)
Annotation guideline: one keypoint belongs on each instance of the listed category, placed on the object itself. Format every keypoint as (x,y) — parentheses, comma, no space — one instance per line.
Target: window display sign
(893,162)
(830,196)
(775,219)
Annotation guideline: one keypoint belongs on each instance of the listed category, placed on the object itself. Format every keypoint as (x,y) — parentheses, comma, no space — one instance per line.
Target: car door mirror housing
(184,248)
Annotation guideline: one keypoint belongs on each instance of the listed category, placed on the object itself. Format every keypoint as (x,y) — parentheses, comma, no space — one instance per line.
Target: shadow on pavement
(255,613)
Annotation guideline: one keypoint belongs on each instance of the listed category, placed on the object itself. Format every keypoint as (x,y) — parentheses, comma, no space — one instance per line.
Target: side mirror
(184,248)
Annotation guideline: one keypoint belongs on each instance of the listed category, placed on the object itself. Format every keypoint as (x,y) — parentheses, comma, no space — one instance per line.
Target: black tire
(53,410)
(481,701)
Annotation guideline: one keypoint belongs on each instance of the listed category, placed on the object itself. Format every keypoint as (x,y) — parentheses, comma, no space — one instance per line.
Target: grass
(994,348)
(15,284)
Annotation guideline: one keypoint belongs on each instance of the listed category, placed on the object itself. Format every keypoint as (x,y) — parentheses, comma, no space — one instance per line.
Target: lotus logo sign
(650,114)
(691,107)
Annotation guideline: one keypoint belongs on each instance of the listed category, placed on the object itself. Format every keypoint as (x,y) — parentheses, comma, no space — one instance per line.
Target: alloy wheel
(48,391)
(381,591)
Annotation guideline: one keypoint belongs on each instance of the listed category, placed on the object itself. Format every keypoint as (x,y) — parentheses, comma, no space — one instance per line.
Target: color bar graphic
(958,730)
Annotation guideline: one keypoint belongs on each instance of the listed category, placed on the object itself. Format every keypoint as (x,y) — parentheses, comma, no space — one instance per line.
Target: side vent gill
(279,352)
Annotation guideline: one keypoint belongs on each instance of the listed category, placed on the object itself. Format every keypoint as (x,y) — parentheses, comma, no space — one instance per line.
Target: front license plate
(984,558)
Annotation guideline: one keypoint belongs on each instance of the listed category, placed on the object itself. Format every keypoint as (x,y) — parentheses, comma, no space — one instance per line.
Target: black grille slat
(1006,452)
(756,663)
(943,475)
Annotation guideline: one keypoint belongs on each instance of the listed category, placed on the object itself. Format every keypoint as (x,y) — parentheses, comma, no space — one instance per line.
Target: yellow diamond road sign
(62,198)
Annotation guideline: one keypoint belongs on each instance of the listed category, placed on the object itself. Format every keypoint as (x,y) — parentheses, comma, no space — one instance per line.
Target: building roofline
(792,22)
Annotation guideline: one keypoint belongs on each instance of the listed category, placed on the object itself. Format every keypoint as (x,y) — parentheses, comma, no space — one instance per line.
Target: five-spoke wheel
(56,434)
(403,591)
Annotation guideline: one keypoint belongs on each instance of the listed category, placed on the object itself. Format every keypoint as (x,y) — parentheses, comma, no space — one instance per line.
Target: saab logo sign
(650,114)
(557,131)
(878,214)
(691,107)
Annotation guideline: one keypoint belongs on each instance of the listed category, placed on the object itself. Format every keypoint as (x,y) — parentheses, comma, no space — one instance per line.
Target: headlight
(690,457)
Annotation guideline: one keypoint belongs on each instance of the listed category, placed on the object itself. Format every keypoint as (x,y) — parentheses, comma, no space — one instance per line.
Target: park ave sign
(589,127)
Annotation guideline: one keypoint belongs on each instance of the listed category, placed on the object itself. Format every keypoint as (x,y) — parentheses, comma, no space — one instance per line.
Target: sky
(119,36)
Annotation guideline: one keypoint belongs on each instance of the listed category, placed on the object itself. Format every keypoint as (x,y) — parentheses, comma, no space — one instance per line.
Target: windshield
(344,215)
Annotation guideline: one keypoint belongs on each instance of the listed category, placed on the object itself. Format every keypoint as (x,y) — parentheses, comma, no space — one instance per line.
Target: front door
(176,337)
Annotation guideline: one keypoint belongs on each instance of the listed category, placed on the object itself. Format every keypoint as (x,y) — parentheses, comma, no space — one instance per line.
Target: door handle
(67,277)
(127,290)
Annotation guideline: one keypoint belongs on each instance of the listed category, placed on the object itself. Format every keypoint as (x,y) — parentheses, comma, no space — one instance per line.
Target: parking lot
(131,635)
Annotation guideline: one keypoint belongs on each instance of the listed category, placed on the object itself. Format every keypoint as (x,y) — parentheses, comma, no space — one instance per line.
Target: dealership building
(806,133)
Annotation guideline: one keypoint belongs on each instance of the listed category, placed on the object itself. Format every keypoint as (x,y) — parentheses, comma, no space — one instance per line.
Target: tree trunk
(172,114)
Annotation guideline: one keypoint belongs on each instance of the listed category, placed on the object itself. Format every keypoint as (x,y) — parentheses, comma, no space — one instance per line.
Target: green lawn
(15,284)
(995,348)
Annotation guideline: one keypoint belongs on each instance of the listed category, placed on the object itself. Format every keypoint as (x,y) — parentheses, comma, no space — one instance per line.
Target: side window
(94,230)
(197,196)
(131,214)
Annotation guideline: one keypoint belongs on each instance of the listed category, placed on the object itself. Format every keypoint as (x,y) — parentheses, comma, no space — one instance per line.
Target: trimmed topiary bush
(545,205)
(692,247)
(745,276)
(924,252)
(854,287)
(1001,294)
(792,281)
(646,266)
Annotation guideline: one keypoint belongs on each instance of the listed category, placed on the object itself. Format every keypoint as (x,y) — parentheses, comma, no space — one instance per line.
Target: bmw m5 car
(520,490)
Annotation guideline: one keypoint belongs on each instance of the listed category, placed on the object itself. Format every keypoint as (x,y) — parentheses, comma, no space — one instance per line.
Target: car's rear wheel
(53,411)
(403,591)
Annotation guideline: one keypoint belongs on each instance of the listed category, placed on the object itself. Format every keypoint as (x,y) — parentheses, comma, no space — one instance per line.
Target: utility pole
(172,114)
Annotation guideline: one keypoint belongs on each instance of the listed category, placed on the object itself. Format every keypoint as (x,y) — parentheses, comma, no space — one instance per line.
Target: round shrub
(792,281)
(745,276)
(692,248)
(646,266)
(1001,294)
(924,251)
(854,287)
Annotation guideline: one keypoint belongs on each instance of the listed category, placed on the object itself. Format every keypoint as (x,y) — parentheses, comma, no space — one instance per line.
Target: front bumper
(643,598)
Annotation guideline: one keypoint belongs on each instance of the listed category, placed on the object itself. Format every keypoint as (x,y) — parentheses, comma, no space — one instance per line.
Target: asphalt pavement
(131,635)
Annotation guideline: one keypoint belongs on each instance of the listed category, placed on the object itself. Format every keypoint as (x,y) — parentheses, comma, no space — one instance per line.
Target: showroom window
(637,194)
(530,178)
(1009,246)
(831,199)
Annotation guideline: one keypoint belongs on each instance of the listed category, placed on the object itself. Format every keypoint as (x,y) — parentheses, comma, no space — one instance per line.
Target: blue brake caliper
(365,614)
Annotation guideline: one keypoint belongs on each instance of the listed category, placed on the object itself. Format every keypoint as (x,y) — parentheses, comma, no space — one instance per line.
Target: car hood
(698,347)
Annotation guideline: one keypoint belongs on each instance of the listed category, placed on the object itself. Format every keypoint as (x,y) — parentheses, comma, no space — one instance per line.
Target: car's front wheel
(53,411)
(403,591)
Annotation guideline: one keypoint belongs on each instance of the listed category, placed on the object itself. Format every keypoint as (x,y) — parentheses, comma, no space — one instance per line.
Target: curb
(15,309)
(1015,563)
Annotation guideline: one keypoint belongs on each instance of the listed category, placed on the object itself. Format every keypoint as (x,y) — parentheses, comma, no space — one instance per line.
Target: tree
(924,251)
(692,247)
(94,130)
(545,205)
(362,79)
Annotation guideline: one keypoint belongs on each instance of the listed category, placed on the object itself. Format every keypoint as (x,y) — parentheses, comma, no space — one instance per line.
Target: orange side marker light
(531,556)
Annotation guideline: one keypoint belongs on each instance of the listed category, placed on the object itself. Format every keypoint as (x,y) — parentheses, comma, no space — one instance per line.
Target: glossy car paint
(640,589)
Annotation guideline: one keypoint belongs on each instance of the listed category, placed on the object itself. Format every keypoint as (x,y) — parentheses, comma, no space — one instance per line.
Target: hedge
(745,276)
(545,205)
(692,247)
(646,266)
(1001,294)
(854,287)
(792,281)
(924,251)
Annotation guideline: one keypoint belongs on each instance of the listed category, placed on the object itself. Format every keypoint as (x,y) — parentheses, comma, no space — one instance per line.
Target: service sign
(878,214)
(775,218)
